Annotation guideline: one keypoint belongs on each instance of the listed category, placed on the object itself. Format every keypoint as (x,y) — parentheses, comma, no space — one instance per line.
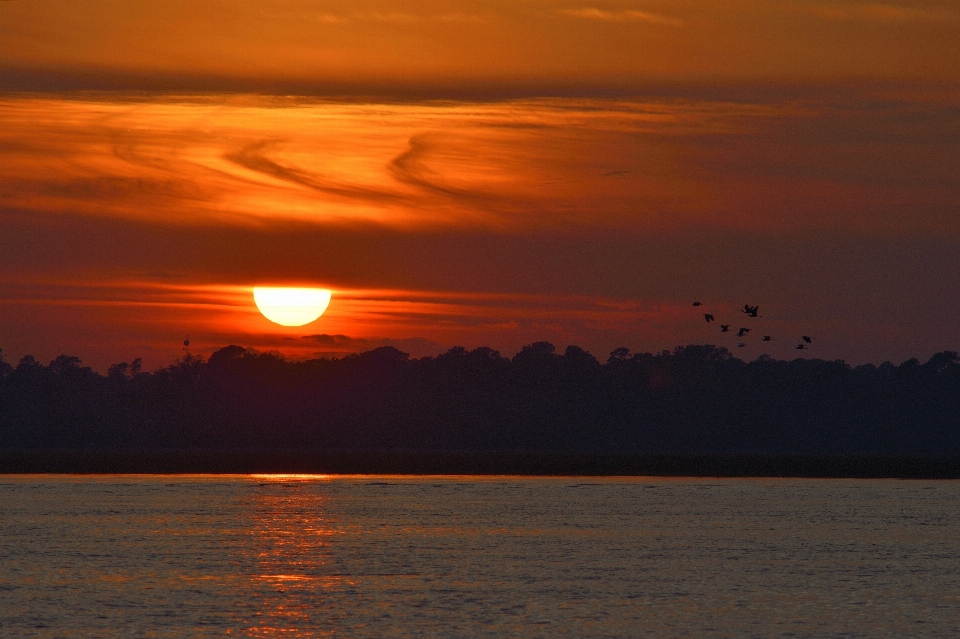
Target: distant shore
(477,463)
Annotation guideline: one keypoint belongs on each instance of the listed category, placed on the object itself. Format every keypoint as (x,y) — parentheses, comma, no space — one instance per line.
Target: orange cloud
(253,160)
(592,13)
(514,166)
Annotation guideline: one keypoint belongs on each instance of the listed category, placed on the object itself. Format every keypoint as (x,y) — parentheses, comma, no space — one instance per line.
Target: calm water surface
(174,556)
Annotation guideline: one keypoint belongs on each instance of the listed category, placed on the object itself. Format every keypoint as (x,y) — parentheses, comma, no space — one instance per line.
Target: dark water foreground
(480,463)
(389,556)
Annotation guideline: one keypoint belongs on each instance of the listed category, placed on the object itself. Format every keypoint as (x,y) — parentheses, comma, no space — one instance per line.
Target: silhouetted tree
(697,398)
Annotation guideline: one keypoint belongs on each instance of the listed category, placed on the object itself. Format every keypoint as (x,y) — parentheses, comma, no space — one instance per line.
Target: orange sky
(512,171)
(369,42)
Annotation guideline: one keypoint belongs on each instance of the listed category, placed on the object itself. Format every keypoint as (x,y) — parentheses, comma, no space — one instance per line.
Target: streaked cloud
(637,165)
(329,18)
(341,345)
(592,13)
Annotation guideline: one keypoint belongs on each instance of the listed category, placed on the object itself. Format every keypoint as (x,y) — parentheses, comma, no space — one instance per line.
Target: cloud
(252,157)
(461,17)
(340,345)
(411,167)
(330,18)
(526,166)
(388,16)
(630,15)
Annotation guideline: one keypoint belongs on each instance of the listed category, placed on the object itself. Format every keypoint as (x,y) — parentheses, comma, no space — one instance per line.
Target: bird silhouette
(742,332)
(800,347)
(807,339)
(708,317)
(697,304)
(741,345)
(724,328)
(750,310)
(767,338)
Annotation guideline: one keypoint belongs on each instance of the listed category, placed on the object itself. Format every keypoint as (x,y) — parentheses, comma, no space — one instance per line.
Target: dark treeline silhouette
(695,399)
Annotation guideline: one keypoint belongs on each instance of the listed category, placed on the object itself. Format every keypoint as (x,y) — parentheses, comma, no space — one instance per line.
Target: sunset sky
(479,173)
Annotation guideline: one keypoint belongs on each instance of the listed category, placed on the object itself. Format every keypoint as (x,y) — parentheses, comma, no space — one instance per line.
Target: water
(174,556)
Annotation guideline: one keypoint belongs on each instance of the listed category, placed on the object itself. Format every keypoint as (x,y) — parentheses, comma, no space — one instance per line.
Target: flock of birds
(753,312)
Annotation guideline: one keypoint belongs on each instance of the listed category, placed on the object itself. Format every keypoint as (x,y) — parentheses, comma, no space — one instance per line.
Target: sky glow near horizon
(582,184)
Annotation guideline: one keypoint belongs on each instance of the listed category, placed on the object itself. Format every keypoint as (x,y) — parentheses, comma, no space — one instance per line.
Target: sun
(291,306)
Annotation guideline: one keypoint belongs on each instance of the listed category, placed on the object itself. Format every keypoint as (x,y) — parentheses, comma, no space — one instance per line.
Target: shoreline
(478,463)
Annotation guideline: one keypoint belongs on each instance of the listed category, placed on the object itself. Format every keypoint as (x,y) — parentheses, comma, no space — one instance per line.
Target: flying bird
(767,338)
(807,339)
(800,347)
(697,304)
(741,345)
(742,332)
(724,328)
(750,310)
(708,317)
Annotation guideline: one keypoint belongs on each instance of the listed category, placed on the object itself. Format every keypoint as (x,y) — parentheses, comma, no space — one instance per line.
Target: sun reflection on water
(292,533)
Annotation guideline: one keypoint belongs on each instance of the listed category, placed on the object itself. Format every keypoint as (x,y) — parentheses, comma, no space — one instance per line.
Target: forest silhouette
(692,400)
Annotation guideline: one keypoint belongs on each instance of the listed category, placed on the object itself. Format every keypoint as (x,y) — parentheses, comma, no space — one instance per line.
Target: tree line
(694,399)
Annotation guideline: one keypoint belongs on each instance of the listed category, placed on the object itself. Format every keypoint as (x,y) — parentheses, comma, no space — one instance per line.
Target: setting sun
(291,306)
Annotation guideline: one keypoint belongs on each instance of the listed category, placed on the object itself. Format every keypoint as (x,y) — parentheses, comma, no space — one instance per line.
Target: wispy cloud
(462,17)
(330,18)
(522,165)
(629,15)
(395,17)
(388,16)
(253,157)
(340,345)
